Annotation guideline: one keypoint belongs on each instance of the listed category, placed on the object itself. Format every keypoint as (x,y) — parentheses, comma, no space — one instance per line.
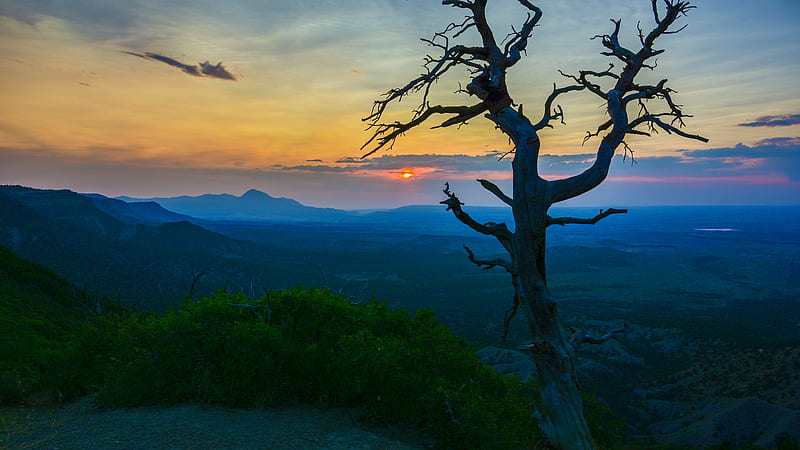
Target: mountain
(62,205)
(144,213)
(253,205)
(151,267)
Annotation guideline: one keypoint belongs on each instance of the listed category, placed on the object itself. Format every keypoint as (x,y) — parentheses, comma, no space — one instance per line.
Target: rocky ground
(711,396)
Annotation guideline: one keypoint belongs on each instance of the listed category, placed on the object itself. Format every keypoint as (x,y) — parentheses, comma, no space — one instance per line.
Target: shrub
(314,346)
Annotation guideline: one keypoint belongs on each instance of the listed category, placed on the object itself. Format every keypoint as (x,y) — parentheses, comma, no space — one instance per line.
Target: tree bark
(553,352)
(562,419)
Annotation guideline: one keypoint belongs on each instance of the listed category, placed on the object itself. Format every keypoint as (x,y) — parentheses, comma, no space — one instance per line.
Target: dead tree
(633,108)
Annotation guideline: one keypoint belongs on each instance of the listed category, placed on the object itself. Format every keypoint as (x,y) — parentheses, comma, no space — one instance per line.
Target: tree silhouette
(633,108)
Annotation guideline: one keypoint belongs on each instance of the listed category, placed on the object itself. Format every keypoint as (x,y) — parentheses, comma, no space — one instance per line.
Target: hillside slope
(151,267)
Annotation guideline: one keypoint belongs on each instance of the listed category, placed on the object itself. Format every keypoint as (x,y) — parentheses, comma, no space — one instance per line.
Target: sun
(406,174)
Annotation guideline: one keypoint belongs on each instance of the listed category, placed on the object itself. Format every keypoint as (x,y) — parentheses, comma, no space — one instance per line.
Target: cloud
(216,71)
(782,147)
(320,168)
(204,69)
(783,120)
(773,160)
(443,163)
(424,166)
(777,159)
(780,142)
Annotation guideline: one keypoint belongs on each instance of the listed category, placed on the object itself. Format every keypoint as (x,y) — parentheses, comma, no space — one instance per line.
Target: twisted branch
(498,230)
(488,264)
(558,114)
(591,221)
(491,187)
(624,92)
(583,337)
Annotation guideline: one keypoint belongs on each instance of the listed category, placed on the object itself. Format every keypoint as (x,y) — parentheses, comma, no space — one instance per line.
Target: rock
(508,362)
(710,423)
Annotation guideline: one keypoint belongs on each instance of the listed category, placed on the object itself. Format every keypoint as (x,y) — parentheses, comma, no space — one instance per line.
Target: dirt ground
(81,426)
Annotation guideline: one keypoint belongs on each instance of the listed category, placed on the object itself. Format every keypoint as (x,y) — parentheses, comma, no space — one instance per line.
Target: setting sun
(406,174)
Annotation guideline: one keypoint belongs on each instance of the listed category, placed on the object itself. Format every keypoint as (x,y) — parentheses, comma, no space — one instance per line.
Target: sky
(154,98)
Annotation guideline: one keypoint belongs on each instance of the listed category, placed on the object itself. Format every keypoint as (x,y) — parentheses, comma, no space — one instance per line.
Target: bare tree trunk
(561,406)
(552,350)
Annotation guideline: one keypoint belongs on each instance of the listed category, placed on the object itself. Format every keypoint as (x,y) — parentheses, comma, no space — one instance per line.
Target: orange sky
(81,113)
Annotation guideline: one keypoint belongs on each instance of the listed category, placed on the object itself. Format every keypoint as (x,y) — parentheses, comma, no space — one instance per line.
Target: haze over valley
(703,292)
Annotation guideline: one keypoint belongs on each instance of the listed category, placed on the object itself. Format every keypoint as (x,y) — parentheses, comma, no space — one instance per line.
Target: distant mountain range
(210,210)
(253,205)
(144,212)
(137,253)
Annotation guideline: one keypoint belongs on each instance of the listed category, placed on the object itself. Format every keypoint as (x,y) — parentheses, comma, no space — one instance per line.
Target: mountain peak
(254,194)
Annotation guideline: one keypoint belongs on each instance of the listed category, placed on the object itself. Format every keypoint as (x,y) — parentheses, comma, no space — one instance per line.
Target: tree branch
(625,91)
(498,230)
(491,187)
(654,120)
(566,220)
(583,337)
(519,40)
(582,80)
(559,113)
(611,42)
(488,264)
(387,133)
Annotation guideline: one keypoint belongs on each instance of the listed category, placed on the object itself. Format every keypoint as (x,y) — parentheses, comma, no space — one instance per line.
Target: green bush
(314,346)
(49,338)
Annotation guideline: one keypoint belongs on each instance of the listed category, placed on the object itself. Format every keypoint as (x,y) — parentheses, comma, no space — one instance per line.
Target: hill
(252,205)
(150,267)
(144,213)
(40,312)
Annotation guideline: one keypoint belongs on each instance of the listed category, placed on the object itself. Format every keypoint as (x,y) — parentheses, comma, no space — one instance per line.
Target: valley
(708,295)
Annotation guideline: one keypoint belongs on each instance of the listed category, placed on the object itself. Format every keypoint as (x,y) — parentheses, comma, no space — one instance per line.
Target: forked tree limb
(621,95)
(499,230)
(654,120)
(487,264)
(518,41)
(491,187)
(580,337)
(558,114)
(386,133)
(591,221)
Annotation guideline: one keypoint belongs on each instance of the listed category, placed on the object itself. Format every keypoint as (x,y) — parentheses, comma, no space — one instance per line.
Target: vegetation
(48,347)
(314,346)
(288,346)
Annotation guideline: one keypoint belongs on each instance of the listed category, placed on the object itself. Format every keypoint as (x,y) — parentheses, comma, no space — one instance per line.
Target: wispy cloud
(783,120)
(774,157)
(780,142)
(204,69)
(444,164)
(778,158)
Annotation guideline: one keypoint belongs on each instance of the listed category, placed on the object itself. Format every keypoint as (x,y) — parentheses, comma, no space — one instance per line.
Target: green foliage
(288,346)
(314,346)
(49,345)
(607,427)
